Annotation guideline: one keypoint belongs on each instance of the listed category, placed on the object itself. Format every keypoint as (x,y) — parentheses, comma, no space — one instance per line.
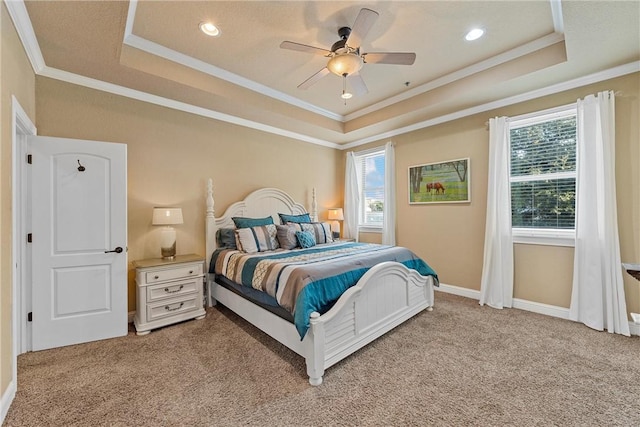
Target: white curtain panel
(389,208)
(351,199)
(597,297)
(496,287)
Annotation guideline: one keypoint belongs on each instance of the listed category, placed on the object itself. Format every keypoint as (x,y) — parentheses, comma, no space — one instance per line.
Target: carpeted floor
(461,364)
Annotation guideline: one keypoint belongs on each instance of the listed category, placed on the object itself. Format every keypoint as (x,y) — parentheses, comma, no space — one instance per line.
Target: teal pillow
(305,239)
(243,222)
(285,218)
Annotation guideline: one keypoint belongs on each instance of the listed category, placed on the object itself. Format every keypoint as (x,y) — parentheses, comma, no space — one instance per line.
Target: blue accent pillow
(284,218)
(226,238)
(305,239)
(243,222)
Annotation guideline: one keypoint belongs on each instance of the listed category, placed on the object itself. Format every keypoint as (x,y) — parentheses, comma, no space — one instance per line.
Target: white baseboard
(7,398)
(535,307)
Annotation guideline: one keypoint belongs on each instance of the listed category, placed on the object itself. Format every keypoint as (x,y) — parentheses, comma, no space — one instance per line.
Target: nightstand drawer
(173,289)
(174,273)
(172,307)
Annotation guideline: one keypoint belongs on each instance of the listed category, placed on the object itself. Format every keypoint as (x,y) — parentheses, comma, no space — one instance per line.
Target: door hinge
(29,238)
(30,316)
(29,159)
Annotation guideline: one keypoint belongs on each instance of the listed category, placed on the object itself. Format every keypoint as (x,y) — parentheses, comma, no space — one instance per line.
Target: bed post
(315,350)
(314,206)
(210,233)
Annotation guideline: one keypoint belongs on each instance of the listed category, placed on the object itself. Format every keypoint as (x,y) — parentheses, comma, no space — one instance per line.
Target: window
(543,176)
(370,168)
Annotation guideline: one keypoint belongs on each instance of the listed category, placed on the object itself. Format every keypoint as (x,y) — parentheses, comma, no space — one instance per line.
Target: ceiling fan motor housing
(344,35)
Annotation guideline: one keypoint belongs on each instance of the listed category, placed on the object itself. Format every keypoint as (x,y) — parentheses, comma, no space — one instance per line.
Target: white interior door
(79,241)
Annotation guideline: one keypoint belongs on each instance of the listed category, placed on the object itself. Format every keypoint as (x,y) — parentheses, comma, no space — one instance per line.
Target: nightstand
(168,291)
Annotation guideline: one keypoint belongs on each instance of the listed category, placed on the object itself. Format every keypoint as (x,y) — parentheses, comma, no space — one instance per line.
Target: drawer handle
(174,291)
(156,277)
(190,271)
(166,307)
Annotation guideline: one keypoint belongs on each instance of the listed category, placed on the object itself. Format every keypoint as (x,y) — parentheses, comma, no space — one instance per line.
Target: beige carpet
(461,364)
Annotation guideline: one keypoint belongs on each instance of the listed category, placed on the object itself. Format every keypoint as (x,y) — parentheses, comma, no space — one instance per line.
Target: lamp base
(169,253)
(168,243)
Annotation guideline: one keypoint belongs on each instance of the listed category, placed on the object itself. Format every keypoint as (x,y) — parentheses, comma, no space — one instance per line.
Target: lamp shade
(336,214)
(167,216)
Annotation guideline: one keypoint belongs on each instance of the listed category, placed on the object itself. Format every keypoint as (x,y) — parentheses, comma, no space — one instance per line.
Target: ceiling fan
(346,60)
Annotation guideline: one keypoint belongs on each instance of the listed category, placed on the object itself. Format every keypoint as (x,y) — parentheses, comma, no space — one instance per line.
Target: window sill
(369,229)
(544,237)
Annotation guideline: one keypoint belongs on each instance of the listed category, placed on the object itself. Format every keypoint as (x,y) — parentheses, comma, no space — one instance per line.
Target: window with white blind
(543,176)
(370,168)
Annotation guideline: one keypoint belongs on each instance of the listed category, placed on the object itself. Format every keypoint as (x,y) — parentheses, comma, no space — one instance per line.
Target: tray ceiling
(243,76)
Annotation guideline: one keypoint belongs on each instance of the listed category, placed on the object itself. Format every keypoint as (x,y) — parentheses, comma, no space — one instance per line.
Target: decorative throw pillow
(226,238)
(287,236)
(258,239)
(244,222)
(321,231)
(305,239)
(285,218)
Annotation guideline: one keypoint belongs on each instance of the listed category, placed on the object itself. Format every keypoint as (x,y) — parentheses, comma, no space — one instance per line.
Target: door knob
(116,250)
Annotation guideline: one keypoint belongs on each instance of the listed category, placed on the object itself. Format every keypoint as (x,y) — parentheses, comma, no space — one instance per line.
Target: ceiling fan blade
(357,84)
(397,58)
(304,48)
(313,79)
(365,20)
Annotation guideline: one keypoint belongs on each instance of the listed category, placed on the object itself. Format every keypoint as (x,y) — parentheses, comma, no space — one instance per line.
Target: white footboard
(387,295)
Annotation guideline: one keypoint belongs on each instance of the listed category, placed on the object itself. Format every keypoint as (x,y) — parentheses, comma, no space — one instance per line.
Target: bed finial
(210,202)
(314,205)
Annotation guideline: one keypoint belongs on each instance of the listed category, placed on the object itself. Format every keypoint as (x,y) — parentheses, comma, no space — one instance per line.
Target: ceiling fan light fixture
(209,29)
(346,95)
(345,63)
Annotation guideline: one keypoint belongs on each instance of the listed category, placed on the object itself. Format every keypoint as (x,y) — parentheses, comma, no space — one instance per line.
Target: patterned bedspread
(308,280)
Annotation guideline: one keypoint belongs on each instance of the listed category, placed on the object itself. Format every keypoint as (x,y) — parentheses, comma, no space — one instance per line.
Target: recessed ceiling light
(209,29)
(474,34)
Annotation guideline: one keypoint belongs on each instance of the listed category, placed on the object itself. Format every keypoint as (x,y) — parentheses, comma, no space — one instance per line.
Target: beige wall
(17,79)
(451,236)
(171,155)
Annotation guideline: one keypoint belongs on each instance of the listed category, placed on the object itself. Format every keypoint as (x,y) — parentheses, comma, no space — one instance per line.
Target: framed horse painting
(442,182)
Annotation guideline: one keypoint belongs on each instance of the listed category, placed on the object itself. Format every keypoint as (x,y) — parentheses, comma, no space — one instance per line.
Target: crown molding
(23,26)
(115,89)
(611,73)
(22,23)
(156,49)
(525,49)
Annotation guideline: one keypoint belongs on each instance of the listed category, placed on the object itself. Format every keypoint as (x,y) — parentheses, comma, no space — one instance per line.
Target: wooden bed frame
(387,295)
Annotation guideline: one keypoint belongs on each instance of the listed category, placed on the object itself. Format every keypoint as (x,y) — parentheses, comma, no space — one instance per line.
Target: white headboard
(259,204)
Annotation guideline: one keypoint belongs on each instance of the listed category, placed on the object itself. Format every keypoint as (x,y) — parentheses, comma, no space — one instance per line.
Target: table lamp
(336,215)
(167,217)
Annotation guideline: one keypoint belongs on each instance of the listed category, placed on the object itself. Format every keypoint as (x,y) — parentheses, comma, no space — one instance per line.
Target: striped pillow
(320,230)
(257,239)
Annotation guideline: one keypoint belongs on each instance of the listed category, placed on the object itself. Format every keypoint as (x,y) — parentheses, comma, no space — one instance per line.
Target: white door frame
(21,126)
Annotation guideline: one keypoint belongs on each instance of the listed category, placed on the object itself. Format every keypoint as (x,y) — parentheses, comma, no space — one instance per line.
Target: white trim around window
(541,236)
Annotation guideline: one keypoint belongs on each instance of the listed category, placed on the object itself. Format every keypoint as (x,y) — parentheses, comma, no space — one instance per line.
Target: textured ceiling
(156,47)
